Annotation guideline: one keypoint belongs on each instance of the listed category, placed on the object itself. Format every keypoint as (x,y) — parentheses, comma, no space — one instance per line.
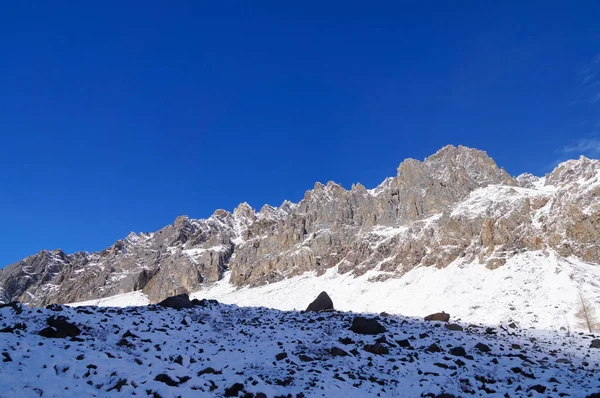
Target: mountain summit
(455,206)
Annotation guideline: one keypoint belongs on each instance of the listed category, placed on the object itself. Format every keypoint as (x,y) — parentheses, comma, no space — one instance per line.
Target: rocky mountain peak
(466,163)
(527,180)
(580,170)
(244,213)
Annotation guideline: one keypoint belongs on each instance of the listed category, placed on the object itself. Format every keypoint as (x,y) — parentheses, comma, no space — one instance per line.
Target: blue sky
(117,116)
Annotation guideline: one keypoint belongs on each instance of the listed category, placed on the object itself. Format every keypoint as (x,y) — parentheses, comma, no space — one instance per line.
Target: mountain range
(455,210)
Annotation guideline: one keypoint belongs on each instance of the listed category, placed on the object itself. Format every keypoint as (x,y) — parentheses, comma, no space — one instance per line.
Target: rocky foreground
(212,349)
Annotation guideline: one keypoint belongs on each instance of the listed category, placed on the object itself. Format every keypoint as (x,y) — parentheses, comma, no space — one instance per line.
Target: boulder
(438,316)
(454,326)
(482,347)
(321,303)
(204,302)
(595,343)
(362,325)
(177,302)
(338,352)
(234,390)
(377,349)
(458,351)
(59,327)
(433,348)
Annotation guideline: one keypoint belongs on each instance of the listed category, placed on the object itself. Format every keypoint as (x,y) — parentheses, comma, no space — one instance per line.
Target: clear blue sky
(116,116)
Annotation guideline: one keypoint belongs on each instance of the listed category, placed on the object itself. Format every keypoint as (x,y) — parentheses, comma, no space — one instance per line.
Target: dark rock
(433,348)
(7,357)
(280,356)
(338,352)
(129,334)
(234,390)
(184,379)
(59,327)
(346,340)
(120,384)
(362,325)
(54,307)
(125,343)
(15,305)
(458,351)
(163,378)
(177,302)
(538,387)
(305,358)
(404,343)
(208,370)
(482,347)
(321,303)
(595,343)
(204,302)
(377,349)
(518,370)
(454,327)
(383,340)
(438,316)
(11,329)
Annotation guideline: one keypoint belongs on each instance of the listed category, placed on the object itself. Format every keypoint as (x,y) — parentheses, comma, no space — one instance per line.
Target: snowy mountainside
(534,289)
(215,349)
(455,210)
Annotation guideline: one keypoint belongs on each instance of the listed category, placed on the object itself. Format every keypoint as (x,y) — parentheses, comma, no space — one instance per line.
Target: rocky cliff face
(457,203)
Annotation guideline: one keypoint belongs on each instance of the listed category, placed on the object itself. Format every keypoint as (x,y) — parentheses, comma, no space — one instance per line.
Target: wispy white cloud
(585,146)
(588,147)
(590,80)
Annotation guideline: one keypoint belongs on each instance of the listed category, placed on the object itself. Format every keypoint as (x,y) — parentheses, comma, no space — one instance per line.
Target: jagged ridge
(457,203)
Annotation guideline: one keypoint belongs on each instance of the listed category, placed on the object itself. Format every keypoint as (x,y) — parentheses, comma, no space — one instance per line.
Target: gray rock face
(456,204)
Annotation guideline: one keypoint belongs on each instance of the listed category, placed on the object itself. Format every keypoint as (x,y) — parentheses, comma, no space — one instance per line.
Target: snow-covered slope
(216,350)
(534,289)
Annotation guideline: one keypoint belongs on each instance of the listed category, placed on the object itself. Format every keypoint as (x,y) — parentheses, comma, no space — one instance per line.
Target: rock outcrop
(456,204)
(322,303)
(438,316)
